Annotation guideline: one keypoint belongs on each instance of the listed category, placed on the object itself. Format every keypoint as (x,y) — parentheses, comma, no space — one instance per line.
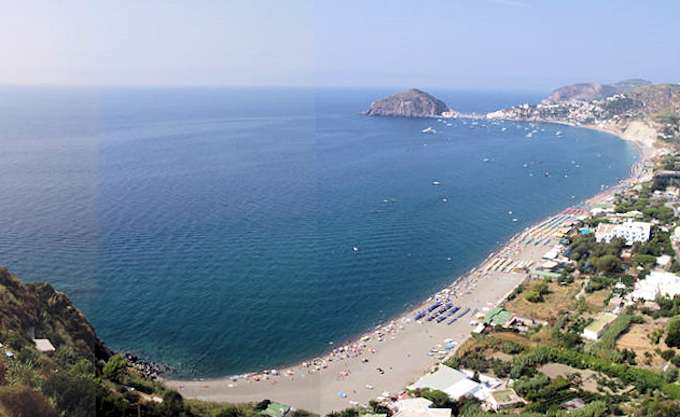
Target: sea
(226,230)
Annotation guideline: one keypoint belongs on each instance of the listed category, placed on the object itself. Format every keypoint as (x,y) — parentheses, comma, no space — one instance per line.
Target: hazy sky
(509,44)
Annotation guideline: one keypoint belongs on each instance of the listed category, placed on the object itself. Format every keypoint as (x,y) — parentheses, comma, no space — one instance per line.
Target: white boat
(486,159)
(429,130)
(355,249)
(436,182)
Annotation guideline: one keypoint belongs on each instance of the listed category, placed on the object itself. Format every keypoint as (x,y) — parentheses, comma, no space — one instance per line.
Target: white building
(664,261)
(425,412)
(455,383)
(630,231)
(503,398)
(595,329)
(657,283)
(419,407)
(43,345)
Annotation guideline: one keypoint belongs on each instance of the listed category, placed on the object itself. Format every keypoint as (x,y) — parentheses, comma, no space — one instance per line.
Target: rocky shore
(149,369)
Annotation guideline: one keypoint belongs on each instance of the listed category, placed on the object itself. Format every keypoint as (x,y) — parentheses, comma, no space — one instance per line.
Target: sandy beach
(395,354)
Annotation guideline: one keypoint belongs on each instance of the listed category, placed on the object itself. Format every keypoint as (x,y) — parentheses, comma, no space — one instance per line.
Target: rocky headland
(409,103)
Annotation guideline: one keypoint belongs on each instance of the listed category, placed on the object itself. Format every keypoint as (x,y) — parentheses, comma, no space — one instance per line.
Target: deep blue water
(213,229)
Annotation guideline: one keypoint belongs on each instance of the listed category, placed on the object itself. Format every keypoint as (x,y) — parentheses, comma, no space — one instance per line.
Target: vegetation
(82,378)
(644,380)
(607,342)
(673,332)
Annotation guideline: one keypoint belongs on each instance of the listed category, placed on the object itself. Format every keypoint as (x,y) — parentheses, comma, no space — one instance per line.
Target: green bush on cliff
(115,369)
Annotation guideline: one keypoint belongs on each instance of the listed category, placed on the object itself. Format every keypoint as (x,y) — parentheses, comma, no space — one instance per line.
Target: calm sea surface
(213,229)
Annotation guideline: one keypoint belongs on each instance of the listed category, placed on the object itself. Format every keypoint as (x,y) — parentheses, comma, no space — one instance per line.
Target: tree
(173,405)
(439,399)
(262,405)
(644,260)
(607,264)
(673,332)
(115,368)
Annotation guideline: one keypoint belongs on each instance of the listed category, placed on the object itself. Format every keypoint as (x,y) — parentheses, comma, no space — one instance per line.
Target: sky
(460,44)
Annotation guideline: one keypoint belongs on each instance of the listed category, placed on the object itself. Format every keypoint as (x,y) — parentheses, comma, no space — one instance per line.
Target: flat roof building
(595,329)
(630,231)
(43,345)
(657,283)
(451,381)
(503,398)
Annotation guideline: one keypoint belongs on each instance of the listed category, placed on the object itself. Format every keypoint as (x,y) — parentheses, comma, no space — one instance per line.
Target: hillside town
(594,327)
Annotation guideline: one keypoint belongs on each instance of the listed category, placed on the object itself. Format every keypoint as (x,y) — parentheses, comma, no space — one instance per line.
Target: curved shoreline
(355,372)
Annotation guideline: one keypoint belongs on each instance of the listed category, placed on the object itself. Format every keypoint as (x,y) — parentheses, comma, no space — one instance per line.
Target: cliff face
(409,103)
(38,310)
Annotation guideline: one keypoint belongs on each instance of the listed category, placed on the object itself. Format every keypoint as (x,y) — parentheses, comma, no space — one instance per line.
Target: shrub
(439,399)
(533,296)
(607,264)
(262,405)
(671,374)
(673,332)
(21,401)
(74,395)
(173,405)
(667,354)
(115,368)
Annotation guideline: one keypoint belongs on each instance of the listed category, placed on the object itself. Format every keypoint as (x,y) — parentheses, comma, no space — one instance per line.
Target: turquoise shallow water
(213,229)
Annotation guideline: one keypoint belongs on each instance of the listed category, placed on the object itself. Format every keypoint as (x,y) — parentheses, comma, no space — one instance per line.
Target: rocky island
(409,103)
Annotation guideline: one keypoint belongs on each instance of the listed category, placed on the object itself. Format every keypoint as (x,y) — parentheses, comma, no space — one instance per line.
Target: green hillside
(81,377)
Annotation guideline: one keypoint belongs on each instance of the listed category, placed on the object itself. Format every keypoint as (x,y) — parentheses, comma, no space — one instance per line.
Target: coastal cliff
(409,103)
(53,364)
